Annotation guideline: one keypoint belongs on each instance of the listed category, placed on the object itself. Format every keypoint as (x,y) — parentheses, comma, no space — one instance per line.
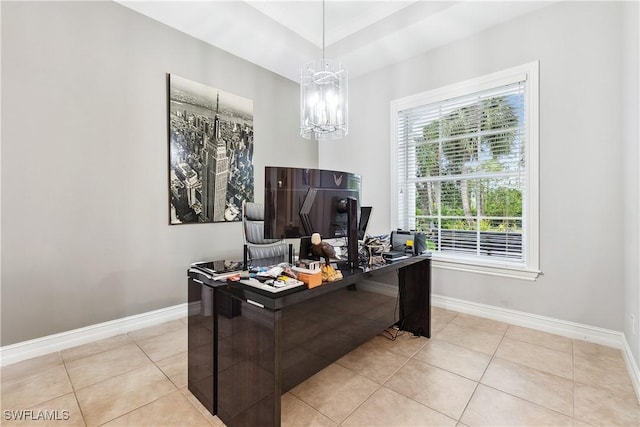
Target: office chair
(258,249)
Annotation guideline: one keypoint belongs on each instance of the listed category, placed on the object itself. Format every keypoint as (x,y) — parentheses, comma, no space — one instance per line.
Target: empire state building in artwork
(216,174)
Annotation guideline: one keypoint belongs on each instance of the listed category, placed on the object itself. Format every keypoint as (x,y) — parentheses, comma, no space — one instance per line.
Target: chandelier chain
(323,28)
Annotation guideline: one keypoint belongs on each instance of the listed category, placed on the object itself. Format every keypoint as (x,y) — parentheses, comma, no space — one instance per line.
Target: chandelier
(323,97)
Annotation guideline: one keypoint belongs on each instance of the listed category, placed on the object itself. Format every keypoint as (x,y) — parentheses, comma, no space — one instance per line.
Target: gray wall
(631,182)
(84,162)
(581,154)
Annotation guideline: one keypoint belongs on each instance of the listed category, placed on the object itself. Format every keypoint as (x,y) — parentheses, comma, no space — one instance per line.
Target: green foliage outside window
(473,140)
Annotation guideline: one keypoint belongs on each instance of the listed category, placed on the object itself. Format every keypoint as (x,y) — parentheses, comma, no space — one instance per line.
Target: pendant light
(323,97)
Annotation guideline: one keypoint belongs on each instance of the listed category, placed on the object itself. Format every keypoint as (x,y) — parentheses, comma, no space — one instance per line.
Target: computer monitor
(300,202)
(363,224)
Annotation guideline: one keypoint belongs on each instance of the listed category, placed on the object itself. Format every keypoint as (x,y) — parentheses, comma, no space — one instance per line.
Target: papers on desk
(274,285)
(217,270)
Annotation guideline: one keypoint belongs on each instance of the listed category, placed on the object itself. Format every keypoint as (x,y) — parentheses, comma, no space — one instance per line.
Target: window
(465,165)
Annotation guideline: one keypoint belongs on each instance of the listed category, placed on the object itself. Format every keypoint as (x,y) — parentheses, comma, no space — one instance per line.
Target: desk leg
(414,282)
(249,378)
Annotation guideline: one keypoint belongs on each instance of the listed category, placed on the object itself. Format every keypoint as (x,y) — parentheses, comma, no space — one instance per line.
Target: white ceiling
(365,35)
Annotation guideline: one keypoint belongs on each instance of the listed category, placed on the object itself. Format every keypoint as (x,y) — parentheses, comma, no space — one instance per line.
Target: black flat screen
(299,202)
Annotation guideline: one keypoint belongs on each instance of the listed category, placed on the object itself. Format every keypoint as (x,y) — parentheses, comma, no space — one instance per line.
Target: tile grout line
(382,385)
(521,398)
(409,397)
(513,395)
(201,411)
(73,389)
(483,373)
(573,378)
(412,358)
(135,409)
(115,376)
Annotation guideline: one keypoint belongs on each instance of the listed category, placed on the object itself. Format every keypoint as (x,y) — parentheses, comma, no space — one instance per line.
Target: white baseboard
(632,368)
(39,346)
(564,328)
(542,323)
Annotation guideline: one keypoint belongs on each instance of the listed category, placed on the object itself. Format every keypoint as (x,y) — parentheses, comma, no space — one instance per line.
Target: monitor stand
(352,232)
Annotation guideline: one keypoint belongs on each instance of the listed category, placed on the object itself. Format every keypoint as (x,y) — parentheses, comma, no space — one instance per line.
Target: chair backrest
(253,224)
(270,251)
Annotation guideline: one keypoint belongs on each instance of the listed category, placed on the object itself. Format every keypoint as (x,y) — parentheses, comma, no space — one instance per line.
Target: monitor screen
(299,202)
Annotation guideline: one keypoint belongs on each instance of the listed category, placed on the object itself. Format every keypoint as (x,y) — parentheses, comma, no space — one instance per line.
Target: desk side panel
(318,332)
(200,339)
(248,370)
(414,282)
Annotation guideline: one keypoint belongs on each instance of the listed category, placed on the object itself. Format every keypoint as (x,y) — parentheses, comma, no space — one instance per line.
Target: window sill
(489,268)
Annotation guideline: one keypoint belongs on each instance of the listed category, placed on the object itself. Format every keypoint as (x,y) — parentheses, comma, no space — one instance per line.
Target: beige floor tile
(539,387)
(108,364)
(599,406)
(166,345)
(487,325)
(59,412)
(335,391)
(31,390)
(377,364)
(526,383)
(443,314)
(405,343)
(95,347)
(543,339)
(107,400)
(537,357)
(440,318)
(437,325)
(388,408)
(211,419)
(171,410)
(296,413)
(30,366)
(489,407)
(474,339)
(160,329)
(579,423)
(588,349)
(175,367)
(453,358)
(438,389)
(604,372)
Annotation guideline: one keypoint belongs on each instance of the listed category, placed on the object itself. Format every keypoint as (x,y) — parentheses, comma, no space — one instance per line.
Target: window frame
(530,268)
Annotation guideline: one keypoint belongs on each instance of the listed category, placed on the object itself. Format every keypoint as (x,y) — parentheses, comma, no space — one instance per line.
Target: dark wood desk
(247,347)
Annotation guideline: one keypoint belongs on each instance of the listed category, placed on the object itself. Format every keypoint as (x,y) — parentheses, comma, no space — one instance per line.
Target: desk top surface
(276,301)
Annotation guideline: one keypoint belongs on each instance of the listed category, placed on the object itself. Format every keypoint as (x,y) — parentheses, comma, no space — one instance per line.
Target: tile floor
(473,371)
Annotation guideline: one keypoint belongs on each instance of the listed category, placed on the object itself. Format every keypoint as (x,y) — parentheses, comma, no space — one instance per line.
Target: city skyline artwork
(210,153)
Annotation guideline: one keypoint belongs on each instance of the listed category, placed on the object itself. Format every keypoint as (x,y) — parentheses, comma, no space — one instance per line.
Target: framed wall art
(210,152)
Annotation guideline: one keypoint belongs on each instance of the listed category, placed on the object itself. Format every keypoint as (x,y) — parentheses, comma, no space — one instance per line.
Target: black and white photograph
(210,153)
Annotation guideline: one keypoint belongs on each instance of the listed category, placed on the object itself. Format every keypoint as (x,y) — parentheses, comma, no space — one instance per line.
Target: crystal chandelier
(323,97)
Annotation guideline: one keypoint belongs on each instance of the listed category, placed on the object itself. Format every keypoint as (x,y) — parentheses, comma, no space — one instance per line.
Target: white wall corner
(632,368)
(17,352)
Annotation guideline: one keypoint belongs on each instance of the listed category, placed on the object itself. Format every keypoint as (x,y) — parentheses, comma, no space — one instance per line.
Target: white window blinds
(462,172)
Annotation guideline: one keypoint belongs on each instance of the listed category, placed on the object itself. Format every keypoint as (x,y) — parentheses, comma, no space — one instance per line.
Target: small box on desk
(312,278)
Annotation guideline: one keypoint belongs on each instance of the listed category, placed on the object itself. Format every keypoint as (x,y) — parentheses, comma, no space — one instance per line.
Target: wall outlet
(633,324)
